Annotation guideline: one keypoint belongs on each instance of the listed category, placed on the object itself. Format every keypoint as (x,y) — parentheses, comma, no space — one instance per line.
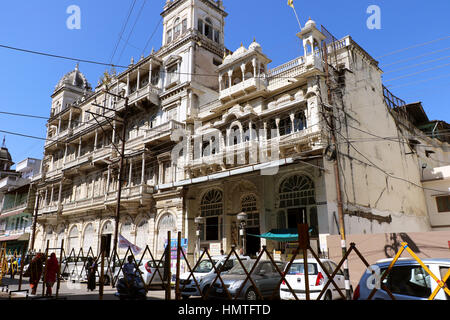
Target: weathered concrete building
(211,133)
(17,205)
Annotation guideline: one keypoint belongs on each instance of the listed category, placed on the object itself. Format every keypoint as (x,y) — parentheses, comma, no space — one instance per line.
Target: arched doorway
(106,239)
(249,206)
(166,223)
(73,241)
(297,203)
(88,239)
(142,234)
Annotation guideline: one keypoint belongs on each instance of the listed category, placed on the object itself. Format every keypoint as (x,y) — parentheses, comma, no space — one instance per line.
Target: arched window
(166,223)
(300,121)
(211,208)
(297,199)
(73,240)
(295,191)
(88,239)
(248,205)
(176,28)
(285,126)
(142,234)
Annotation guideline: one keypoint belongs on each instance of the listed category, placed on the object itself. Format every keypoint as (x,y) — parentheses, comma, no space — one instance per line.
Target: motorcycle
(131,287)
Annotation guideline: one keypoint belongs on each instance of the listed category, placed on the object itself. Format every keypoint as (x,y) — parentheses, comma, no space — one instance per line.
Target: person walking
(50,274)
(35,272)
(91,269)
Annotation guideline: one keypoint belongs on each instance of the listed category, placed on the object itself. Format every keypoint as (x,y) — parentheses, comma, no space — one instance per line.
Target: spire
(4,143)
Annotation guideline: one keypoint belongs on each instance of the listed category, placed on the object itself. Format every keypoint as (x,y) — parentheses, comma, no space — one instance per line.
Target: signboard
(173,256)
(214,249)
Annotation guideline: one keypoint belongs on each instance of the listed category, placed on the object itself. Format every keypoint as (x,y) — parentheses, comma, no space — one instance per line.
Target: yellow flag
(291,3)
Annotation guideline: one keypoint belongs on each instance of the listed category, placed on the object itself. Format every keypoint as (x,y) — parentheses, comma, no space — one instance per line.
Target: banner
(124,244)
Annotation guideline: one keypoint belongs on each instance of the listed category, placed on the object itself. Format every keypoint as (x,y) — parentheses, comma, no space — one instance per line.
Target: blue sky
(27,81)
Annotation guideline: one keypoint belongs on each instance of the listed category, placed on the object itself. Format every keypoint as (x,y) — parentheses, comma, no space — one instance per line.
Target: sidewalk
(67,291)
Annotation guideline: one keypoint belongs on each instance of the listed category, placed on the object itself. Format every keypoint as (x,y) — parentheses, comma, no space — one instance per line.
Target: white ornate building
(236,115)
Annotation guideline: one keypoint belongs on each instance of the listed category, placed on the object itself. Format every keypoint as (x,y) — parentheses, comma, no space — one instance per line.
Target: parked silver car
(407,280)
(265,277)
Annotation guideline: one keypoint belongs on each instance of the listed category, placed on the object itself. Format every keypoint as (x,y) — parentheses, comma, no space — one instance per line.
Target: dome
(310,23)
(240,51)
(255,46)
(5,155)
(74,78)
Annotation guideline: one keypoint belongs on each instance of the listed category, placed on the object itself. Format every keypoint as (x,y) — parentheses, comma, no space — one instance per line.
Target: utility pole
(36,207)
(337,177)
(122,157)
(119,189)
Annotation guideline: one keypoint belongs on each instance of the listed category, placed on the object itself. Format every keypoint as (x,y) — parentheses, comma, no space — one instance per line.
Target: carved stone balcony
(242,88)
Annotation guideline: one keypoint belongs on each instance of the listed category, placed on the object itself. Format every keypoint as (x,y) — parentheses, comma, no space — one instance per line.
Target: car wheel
(328,296)
(251,295)
(205,291)
(184,297)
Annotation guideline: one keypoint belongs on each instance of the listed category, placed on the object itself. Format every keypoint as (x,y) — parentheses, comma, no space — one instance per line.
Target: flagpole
(298,20)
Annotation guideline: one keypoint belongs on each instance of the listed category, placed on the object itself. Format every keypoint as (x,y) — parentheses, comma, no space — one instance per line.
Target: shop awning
(281,235)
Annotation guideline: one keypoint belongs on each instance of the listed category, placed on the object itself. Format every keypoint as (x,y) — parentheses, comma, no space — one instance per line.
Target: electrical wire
(416,57)
(132,29)
(412,47)
(60,57)
(123,30)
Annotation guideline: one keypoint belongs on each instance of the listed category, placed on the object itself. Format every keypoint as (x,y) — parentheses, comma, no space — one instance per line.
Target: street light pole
(199,222)
(242,218)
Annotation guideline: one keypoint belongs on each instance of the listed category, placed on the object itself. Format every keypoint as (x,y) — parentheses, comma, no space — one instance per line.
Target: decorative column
(79,147)
(108,177)
(143,169)
(254,67)
(230,77)
(292,116)
(150,73)
(243,72)
(128,85)
(277,122)
(138,85)
(95,139)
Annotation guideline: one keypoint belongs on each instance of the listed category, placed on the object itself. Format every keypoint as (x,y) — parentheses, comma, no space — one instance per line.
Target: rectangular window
(443,204)
(200,25)
(208,31)
(169,36)
(184,25)
(217,36)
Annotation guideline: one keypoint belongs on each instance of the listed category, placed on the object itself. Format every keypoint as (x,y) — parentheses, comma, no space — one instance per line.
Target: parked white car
(205,274)
(317,280)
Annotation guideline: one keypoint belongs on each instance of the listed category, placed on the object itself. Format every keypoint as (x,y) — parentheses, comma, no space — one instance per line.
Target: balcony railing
(163,130)
(149,91)
(242,88)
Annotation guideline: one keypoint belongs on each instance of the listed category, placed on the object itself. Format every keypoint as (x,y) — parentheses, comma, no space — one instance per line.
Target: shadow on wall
(394,241)
(375,247)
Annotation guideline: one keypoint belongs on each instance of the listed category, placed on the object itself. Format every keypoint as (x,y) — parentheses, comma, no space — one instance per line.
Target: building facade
(212,133)
(18,205)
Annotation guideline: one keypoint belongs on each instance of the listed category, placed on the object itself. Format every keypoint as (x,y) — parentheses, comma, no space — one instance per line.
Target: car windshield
(298,268)
(205,266)
(237,269)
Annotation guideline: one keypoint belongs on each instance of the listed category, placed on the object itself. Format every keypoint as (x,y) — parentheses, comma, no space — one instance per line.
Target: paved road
(71,291)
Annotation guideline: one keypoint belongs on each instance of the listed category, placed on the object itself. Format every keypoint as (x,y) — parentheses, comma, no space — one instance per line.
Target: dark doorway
(106,244)
(296,216)
(252,243)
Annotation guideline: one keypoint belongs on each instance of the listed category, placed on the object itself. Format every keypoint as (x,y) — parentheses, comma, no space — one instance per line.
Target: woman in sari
(91,269)
(35,268)
(51,272)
